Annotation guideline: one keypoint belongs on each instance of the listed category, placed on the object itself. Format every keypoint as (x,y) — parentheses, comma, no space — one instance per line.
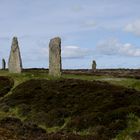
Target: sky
(107,31)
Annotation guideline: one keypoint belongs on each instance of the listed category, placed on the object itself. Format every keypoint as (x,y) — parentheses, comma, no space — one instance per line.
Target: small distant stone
(55,57)
(3,64)
(15,62)
(94,65)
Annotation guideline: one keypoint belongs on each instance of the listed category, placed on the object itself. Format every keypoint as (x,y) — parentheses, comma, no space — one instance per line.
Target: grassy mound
(72,105)
(14,129)
(7,135)
(6,83)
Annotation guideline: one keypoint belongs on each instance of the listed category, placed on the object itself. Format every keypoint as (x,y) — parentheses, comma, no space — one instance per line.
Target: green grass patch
(126,82)
(27,75)
(133,126)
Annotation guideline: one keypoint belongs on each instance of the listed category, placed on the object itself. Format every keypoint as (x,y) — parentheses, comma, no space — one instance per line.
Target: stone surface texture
(55,57)
(15,62)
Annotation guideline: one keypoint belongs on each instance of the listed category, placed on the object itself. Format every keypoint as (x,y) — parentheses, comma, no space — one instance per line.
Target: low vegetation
(6,83)
(72,107)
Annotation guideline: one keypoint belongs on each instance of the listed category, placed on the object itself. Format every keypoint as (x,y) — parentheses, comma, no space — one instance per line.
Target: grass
(126,82)
(20,78)
(6,83)
(81,104)
(72,105)
(133,126)
(24,76)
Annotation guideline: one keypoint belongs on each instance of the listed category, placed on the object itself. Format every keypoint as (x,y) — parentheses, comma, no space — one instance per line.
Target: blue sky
(107,31)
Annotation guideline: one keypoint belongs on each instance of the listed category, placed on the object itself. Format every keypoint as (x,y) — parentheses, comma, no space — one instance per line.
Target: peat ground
(67,109)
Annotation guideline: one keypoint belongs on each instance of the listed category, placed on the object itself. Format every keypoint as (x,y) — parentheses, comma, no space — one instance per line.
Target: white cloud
(51,17)
(74,52)
(114,47)
(69,52)
(133,27)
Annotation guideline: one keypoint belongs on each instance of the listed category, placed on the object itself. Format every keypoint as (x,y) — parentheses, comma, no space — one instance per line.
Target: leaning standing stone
(3,64)
(94,65)
(55,57)
(15,63)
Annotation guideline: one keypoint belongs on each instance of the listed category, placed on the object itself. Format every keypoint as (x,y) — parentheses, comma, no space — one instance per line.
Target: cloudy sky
(107,31)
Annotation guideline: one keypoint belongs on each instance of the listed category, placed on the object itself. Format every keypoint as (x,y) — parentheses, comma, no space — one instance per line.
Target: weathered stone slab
(15,62)
(3,64)
(94,65)
(55,57)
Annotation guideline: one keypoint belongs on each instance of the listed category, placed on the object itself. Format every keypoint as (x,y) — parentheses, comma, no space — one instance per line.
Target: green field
(19,78)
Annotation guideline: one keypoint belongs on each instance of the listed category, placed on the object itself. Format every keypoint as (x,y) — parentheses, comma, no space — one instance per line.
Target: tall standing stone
(94,65)
(55,57)
(3,64)
(15,62)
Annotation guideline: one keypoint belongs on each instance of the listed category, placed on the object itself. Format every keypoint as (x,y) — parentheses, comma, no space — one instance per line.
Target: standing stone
(15,63)
(94,66)
(3,64)
(55,57)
